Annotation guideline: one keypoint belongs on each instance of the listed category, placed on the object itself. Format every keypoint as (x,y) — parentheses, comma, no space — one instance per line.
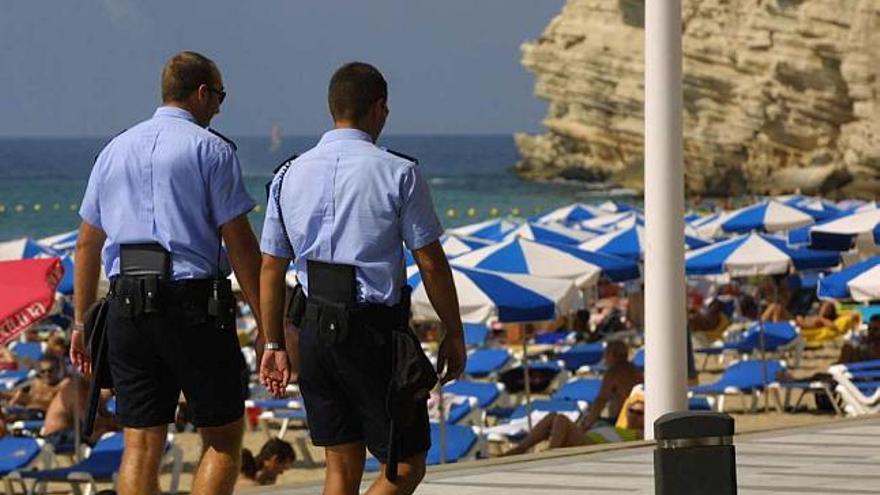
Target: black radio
(221,304)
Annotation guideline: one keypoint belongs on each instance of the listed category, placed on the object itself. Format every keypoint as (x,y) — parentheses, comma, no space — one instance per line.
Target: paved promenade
(834,458)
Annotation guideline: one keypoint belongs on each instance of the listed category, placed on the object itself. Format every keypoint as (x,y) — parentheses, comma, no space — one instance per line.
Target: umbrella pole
(77,421)
(442,408)
(762,345)
(527,382)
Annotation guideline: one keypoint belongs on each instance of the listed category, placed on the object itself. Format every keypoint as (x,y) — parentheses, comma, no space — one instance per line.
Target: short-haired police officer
(160,198)
(346,208)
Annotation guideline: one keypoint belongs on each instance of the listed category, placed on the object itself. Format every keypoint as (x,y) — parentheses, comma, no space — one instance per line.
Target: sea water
(471,178)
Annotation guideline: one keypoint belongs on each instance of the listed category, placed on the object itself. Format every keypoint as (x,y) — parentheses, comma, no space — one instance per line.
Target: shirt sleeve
(419,225)
(227,195)
(274,240)
(90,208)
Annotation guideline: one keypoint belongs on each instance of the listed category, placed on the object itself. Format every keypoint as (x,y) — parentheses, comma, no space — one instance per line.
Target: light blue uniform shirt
(171,181)
(348,201)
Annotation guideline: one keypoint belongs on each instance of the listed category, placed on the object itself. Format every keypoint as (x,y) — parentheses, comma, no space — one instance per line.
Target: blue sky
(91,68)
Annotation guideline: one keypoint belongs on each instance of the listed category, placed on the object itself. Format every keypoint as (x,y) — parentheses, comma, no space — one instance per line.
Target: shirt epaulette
(401,155)
(275,172)
(221,136)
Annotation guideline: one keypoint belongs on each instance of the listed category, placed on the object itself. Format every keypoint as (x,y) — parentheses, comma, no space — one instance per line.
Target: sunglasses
(47,371)
(220,93)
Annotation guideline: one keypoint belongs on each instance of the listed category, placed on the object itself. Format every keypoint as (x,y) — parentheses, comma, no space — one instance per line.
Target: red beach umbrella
(27,291)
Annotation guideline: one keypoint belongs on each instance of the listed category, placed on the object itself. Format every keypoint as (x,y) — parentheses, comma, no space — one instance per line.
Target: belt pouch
(333,323)
(129,298)
(296,308)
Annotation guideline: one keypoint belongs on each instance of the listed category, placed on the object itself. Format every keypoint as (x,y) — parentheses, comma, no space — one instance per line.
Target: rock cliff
(779,95)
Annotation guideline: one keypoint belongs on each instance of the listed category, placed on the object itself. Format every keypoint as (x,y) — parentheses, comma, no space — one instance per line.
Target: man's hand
(452,357)
(78,354)
(275,372)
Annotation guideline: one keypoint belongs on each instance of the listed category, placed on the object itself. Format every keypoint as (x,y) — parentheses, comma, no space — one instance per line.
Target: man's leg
(566,433)
(539,433)
(410,472)
(345,467)
(139,473)
(221,459)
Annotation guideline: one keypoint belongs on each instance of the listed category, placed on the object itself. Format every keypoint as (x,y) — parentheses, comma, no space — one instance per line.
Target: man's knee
(145,444)
(226,438)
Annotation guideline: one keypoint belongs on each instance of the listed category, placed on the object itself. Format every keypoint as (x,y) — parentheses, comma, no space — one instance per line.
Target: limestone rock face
(779,95)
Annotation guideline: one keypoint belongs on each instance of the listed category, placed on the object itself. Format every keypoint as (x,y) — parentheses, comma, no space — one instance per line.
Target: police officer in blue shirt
(161,197)
(343,212)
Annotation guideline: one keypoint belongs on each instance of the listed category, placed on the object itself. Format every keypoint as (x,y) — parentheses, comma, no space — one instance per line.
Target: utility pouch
(296,307)
(333,324)
(332,289)
(128,297)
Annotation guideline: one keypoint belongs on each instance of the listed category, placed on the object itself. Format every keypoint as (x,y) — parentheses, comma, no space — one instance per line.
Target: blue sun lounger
(579,389)
(475,335)
(582,355)
(740,378)
(483,363)
(19,452)
(27,353)
(13,378)
(101,465)
(487,394)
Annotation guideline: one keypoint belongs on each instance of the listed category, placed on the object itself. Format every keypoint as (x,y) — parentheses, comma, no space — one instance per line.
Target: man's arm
(274,368)
(86,271)
(440,287)
(244,256)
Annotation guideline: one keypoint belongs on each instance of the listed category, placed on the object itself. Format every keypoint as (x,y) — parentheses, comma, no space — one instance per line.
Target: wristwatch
(78,327)
(272,346)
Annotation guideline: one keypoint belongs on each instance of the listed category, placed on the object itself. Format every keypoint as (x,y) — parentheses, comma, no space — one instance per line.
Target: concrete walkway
(839,457)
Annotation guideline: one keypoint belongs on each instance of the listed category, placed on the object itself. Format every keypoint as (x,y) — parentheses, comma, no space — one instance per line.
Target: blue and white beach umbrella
(859,282)
(630,242)
(766,216)
(572,213)
(552,232)
(24,248)
(491,230)
(618,221)
(453,246)
(550,260)
(755,254)
(859,230)
(615,207)
(64,242)
(613,221)
(625,243)
(483,295)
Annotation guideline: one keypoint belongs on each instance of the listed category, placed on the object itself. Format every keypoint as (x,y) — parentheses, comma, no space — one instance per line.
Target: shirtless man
(42,388)
(617,383)
(69,405)
(824,318)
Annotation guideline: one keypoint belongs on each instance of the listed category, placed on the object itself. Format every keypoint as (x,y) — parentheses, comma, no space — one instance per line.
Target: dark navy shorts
(155,356)
(344,388)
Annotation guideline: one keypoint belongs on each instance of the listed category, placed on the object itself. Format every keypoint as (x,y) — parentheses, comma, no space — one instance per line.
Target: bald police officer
(343,212)
(160,198)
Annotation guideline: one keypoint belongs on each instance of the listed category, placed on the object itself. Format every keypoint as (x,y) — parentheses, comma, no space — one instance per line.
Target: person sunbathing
(39,393)
(617,383)
(69,406)
(710,323)
(274,458)
(823,319)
